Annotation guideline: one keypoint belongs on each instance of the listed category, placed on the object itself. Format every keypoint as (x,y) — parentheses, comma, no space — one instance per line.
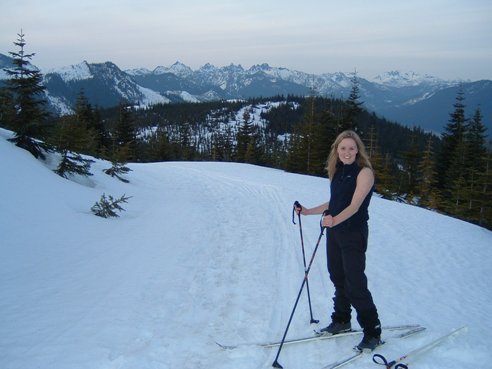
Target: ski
(344,361)
(320,336)
(397,363)
(359,353)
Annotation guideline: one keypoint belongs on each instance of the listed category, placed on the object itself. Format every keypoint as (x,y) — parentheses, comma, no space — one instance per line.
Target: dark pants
(346,251)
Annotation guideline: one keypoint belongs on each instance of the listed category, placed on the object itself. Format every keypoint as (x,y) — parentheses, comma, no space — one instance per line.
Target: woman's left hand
(328,221)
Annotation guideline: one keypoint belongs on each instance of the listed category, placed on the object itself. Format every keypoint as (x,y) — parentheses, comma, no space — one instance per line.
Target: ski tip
(463,328)
(225,347)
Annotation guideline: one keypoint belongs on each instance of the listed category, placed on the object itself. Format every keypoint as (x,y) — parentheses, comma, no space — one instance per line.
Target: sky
(443,38)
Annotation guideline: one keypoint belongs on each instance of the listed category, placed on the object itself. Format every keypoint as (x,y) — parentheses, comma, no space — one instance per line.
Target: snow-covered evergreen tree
(27,92)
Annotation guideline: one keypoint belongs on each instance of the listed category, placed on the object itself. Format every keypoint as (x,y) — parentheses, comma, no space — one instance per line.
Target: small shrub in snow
(106,207)
(73,163)
(117,170)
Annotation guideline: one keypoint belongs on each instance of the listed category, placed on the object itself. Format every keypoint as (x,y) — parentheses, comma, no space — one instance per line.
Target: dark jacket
(342,189)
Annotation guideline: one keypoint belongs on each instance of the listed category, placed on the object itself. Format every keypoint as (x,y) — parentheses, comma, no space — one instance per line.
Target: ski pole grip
(297,205)
(325,213)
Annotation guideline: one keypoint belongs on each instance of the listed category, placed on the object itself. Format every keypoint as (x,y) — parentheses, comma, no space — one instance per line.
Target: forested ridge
(450,173)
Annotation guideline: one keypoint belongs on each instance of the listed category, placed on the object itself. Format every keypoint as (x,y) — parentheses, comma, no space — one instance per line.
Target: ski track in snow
(207,252)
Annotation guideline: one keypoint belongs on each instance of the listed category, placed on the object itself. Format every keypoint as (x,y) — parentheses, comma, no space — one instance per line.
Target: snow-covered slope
(75,72)
(206,252)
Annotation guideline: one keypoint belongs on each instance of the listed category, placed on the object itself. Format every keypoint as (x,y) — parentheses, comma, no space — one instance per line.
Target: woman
(352,185)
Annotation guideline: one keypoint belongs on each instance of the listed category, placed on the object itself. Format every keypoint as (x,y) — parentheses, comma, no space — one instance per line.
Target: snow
(76,72)
(185,96)
(151,97)
(207,252)
(60,105)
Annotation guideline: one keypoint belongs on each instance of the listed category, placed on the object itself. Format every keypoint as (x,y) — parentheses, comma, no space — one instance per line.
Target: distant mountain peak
(177,68)
(263,66)
(206,68)
(180,69)
(75,72)
(237,68)
(397,78)
(138,71)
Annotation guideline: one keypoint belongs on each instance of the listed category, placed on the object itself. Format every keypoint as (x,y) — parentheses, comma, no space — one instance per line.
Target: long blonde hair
(362,159)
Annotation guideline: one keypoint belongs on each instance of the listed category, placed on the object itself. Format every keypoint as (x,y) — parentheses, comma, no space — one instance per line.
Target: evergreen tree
(371,141)
(275,151)
(410,169)
(125,131)
(485,218)
(119,156)
(244,138)
(325,132)
(7,109)
(118,164)
(429,197)
(222,145)
(83,109)
(475,165)
(353,106)
(297,151)
(384,181)
(160,146)
(311,140)
(476,150)
(91,119)
(381,165)
(187,148)
(27,91)
(107,207)
(451,161)
(71,138)
(73,163)
(254,154)
(309,130)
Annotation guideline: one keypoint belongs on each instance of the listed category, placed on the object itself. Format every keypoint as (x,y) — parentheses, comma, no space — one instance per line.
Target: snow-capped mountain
(103,83)
(405,79)
(405,97)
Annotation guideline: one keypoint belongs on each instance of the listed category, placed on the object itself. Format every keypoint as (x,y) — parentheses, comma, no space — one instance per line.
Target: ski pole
(381,360)
(276,363)
(299,206)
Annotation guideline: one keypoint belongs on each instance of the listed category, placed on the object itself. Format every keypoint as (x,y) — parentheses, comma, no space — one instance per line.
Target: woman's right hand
(298,208)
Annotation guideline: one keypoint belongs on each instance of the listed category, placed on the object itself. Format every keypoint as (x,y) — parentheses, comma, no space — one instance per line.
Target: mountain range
(407,98)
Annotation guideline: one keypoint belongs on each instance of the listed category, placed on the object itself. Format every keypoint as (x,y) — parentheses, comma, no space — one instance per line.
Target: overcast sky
(451,39)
